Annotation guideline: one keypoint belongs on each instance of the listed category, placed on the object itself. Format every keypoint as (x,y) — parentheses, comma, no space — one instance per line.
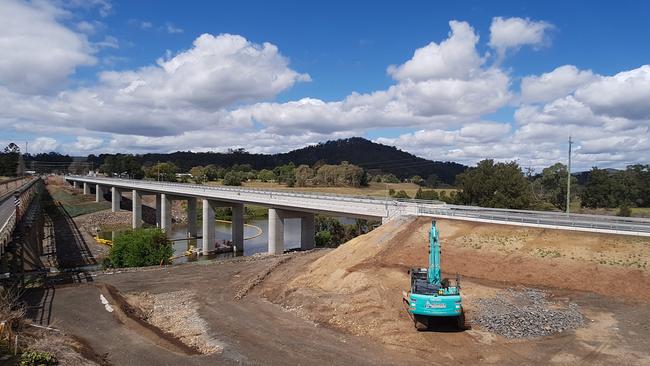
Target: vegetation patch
(141,247)
(76,204)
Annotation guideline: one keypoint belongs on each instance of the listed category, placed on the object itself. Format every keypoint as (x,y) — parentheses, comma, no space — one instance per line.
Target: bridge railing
(13,204)
(530,217)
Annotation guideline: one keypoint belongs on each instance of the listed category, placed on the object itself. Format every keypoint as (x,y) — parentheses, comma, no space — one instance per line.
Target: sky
(454,81)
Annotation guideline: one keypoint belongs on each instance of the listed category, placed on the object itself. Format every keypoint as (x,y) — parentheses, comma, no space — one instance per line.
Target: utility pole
(568,180)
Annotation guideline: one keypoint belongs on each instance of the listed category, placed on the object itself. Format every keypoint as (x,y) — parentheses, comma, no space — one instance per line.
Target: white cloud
(172,29)
(443,85)
(556,84)
(145,25)
(43,144)
(38,53)
(108,42)
(86,143)
(455,57)
(512,33)
(626,94)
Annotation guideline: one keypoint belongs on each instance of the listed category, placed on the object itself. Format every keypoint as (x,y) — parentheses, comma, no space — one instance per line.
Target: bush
(36,358)
(232,179)
(625,211)
(401,194)
(141,247)
(323,239)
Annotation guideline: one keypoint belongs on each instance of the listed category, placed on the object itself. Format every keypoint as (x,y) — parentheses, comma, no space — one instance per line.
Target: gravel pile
(525,314)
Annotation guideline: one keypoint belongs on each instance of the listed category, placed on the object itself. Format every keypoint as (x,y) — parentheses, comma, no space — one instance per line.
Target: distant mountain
(371,156)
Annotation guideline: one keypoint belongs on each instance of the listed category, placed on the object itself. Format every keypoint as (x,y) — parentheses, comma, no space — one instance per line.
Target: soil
(344,306)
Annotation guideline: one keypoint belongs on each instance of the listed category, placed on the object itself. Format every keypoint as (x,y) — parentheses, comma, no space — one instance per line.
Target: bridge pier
(208,226)
(86,188)
(165,212)
(276,229)
(191,217)
(99,193)
(136,210)
(75,185)
(116,198)
(158,210)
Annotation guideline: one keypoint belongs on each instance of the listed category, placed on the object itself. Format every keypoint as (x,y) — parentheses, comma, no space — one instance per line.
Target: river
(252,245)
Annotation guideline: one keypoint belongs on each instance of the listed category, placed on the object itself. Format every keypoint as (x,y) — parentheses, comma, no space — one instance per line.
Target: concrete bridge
(282,206)
(285,205)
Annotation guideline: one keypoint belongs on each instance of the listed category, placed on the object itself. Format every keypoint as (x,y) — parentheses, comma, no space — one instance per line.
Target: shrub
(36,358)
(140,247)
(625,211)
(401,194)
(323,239)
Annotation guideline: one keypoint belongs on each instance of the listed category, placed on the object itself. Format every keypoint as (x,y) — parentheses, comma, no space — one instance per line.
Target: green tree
(552,184)
(122,165)
(162,171)
(401,194)
(232,179)
(432,181)
(417,180)
(211,172)
(499,185)
(140,247)
(265,175)
(598,191)
(429,194)
(198,174)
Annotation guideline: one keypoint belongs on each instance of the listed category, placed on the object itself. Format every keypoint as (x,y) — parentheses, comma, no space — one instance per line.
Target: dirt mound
(357,287)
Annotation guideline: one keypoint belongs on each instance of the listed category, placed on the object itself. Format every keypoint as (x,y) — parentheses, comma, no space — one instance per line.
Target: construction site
(529,295)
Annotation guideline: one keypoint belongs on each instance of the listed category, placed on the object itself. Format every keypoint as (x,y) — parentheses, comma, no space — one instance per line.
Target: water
(252,245)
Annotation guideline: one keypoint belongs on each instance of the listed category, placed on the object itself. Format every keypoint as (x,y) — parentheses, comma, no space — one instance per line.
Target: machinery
(432,297)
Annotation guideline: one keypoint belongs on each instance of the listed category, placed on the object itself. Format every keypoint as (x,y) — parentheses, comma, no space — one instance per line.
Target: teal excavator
(432,297)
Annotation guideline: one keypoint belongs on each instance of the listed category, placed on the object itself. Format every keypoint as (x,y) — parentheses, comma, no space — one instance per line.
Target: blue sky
(515,79)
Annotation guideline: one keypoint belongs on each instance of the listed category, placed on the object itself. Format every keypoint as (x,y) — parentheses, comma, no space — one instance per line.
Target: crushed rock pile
(525,314)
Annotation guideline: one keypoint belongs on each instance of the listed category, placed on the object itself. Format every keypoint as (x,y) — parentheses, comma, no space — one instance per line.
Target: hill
(371,156)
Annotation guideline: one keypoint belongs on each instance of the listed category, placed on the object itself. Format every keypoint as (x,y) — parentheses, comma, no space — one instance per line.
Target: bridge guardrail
(12,218)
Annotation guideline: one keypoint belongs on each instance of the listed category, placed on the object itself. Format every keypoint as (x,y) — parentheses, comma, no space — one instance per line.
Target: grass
(76,204)
(373,189)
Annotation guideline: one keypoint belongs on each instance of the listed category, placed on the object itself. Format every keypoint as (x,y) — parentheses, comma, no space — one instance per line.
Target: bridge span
(285,205)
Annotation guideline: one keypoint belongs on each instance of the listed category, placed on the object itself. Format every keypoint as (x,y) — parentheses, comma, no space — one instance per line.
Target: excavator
(432,297)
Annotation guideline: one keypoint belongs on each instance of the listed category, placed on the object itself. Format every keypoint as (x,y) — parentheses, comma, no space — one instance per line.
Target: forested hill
(359,151)
(372,156)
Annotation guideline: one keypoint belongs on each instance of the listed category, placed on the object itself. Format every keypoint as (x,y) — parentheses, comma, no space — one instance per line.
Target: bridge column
(75,185)
(191,217)
(165,212)
(208,226)
(86,188)
(307,231)
(158,209)
(99,192)
(237,226)
(116,198)
(276,231)
(136,211)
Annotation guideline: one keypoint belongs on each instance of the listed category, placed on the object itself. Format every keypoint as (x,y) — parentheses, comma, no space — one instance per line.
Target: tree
(211,172)
(432,181)
(304,175)
(232,179)
(417,180)
(198,174)
(162,171)
(552,184)
(9,160)
(429,194)
(122,165)
(140,247)
(598,191)
(499,185)
(265,175)
(285,174)
(401,194)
